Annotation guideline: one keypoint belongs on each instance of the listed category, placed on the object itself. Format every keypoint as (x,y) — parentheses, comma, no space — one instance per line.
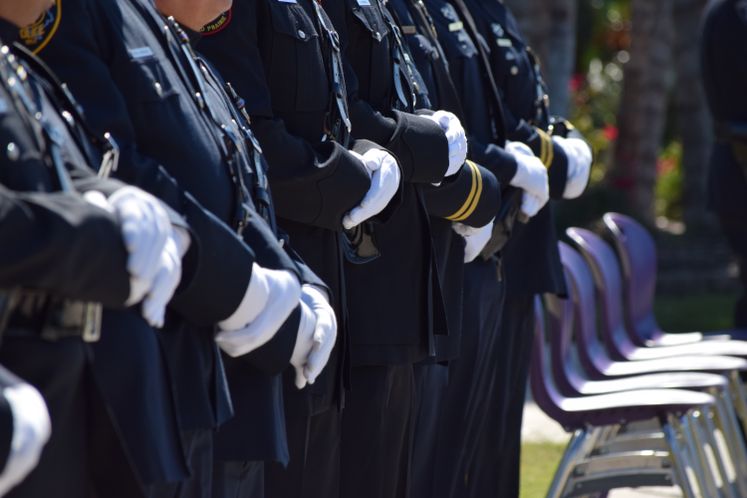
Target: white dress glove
(579,165)
(385,178)
(155,248)
(456,136)
(310,358)
(270,298)
(475,238)
(304,344)
(531,176)
(31,431)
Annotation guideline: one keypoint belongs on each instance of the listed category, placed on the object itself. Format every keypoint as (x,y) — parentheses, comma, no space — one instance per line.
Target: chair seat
(665,339)
(624,407)
(713,364)
(715,347)
(677,380)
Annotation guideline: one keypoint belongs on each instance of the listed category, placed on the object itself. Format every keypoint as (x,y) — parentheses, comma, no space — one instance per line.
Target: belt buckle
(92,323)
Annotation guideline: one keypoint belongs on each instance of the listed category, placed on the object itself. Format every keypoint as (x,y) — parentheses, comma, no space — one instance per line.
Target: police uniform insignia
(37,35)
(218,24)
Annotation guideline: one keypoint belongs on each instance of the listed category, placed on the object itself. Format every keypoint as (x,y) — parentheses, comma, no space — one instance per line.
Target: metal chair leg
(679,457)
(721,455)
(727,417)
(739,397)
(702,466)
(580,445)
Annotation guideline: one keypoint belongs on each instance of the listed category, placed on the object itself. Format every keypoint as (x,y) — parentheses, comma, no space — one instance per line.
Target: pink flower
(610,132)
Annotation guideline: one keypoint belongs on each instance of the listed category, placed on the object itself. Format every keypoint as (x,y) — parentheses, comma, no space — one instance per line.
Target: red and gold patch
(217,25)
(38,34)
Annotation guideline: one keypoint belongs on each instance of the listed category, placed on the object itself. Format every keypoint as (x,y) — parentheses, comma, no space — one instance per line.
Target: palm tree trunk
(643,104)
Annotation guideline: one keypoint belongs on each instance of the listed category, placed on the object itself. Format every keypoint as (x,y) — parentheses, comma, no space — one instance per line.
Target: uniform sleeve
(471,197)
(216,254)
(420,145)
(313,183)
(549,152)
(494,158)
(59,243)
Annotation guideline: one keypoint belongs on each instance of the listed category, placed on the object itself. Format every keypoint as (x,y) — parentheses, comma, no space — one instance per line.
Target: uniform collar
(194,36)
(9,32)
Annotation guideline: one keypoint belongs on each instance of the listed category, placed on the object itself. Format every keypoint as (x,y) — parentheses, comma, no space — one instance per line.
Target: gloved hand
(31,431)
(385,178)
(579,165)
(531,176)
(270,298)
(304,344)
(311,356)
(475,238)
(155,248)
(456,136)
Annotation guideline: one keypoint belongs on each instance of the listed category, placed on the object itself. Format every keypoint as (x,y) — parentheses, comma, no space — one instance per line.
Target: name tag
(287,1)
(504,42)
(409,30)
(456,26)
(140,52)
(364,3)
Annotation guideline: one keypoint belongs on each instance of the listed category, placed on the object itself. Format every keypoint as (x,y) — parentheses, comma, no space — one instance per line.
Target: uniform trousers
(198,447)
(465,405)
(376,426)
(233,479)
(431,382)
(60,372)
(501,444)
(314,445)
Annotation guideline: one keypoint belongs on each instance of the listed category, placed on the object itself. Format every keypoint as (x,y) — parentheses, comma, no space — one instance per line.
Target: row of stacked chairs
(645,407)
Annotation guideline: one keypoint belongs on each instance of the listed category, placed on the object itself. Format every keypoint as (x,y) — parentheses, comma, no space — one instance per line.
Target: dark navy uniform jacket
(276,57)
(433,75)
(426,309)
(724,69)
(58,244)
(531,256)
(138,85)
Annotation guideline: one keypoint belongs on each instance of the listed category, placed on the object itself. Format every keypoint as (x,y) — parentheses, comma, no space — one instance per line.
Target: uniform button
(13,152)
(158,88)
(514,70)
(377,35)
(302,34)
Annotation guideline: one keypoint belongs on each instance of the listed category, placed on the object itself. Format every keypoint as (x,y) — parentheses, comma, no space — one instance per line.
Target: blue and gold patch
(37,35)
(218,24)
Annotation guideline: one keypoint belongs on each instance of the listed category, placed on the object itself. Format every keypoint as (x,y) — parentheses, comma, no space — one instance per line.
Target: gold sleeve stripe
(547,154)
(473,199)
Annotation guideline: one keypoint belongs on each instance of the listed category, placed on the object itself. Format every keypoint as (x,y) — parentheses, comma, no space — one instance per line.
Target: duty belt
(36,314)
(734,134)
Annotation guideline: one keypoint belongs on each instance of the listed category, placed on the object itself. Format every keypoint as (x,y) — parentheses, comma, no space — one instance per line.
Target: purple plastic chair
(589,414)
(571,379)
(594,356)
(636,250)
(620,341)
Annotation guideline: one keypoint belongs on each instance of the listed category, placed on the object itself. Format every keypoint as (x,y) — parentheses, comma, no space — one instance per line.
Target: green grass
(538,463)
(675,314)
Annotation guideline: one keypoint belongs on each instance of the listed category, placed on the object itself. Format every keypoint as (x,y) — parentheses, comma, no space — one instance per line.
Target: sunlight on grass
(538,463)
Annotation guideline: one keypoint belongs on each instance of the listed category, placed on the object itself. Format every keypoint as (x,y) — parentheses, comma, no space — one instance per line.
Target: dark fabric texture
(237,479)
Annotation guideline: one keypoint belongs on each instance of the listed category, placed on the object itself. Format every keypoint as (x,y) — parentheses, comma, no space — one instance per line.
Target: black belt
(35,314)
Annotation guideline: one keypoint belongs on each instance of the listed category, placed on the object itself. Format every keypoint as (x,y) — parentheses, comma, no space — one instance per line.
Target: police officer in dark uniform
(78,235)
(143,84)
(283,58)
(532,262)
(724,77)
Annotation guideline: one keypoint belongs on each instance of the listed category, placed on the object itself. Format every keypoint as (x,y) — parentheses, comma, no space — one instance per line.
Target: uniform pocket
(298,76)
(151,82)
(372,20)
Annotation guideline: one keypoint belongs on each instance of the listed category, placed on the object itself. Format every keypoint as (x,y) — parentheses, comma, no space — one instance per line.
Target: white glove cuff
(253,302)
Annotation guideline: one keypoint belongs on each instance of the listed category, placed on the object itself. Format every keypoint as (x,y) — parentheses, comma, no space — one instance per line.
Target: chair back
(592,354)
(609,287)
(636,251)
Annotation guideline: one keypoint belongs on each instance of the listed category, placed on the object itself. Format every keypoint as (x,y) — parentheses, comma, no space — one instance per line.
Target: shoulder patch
(217,25)
(37,35)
